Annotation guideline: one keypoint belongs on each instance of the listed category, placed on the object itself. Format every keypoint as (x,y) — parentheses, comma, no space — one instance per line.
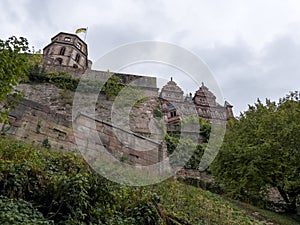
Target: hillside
(62,189)
(49,184)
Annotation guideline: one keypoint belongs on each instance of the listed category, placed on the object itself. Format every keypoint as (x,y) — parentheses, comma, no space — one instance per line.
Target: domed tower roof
(204,96)
(172,92)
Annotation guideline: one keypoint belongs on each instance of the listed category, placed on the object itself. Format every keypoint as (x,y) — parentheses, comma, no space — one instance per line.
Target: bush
(65,189)
(62,188)
(38,74)
(14,211)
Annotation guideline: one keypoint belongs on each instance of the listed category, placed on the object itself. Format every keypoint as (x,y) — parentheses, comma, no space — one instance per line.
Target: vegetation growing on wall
(112,86)
(63,80)
(174,141)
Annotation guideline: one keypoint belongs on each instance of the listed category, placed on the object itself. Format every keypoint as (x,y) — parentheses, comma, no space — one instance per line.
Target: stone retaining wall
(35,123)
(93,136)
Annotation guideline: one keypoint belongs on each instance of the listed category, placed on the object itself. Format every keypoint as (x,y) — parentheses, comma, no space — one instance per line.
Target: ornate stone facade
(203,103)
(171,92)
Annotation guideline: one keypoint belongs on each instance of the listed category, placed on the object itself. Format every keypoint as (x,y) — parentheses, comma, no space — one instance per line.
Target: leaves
(112,86)
(261,150)
(20,212)
(13,68)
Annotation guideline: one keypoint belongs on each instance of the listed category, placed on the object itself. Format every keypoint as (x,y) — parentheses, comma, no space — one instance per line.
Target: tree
(261,151)
(13,67)
(173,141)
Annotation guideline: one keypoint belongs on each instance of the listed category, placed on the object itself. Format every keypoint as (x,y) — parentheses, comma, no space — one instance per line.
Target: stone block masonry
(36,123)
(123,145)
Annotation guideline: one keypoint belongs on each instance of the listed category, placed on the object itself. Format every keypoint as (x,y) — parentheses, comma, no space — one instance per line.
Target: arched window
(62,51)
(77,58)
(59,61)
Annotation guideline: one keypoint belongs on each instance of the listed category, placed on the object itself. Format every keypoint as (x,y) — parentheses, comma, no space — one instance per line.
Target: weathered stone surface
(46,114)
(116,144)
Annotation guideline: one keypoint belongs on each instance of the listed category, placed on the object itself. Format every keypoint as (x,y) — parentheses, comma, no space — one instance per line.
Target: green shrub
(64,189)
(46,143)
(14,211)
(59,79)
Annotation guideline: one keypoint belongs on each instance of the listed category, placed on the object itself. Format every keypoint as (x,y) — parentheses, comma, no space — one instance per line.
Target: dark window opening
(59,61)
(78,45)
(173,113)
(75,66)
(77,58)
(202,101)
(62,51)
(134,155)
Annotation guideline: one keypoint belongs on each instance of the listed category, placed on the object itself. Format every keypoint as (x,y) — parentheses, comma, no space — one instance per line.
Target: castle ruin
(33,120)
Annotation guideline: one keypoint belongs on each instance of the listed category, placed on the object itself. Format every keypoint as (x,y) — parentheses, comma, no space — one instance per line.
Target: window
(77,58)
(62,51)
(67,39)
(59,61)
(173,113)
(47,52)
(78,45)
(75,66)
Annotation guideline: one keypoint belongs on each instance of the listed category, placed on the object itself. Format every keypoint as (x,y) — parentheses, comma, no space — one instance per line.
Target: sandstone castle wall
(35,123)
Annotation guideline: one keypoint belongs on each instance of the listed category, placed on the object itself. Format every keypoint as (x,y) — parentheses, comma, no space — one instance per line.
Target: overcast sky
(251,47)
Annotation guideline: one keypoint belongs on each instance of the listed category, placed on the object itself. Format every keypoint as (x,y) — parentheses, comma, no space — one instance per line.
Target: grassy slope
(197,206)
(278,218)
(179,203)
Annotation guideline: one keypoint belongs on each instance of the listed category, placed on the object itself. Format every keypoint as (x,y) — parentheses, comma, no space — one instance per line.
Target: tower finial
(171,78)
(202,83)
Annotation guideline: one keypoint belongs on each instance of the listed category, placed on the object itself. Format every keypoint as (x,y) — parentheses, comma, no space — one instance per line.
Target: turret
(66,50)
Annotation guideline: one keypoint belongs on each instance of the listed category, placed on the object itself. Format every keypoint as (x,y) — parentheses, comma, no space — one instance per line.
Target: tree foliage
(13,67)
(261,151)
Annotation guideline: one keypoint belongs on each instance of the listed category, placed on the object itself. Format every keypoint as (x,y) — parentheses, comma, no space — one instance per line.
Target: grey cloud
(105,38)
(245,75)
